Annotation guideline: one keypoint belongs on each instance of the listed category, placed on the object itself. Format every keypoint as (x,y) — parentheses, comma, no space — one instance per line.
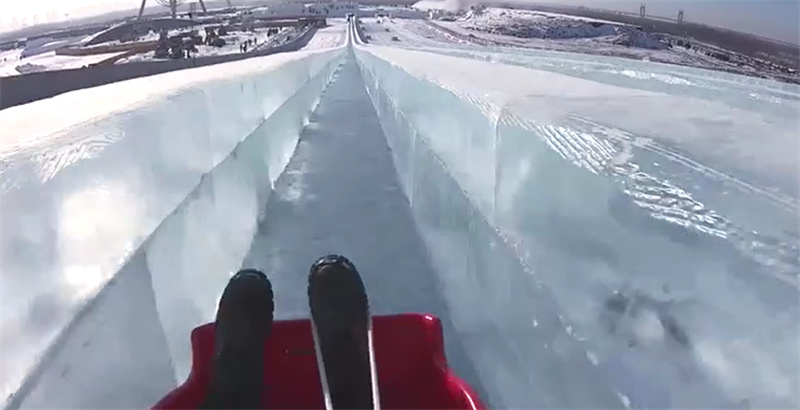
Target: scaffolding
(171,4)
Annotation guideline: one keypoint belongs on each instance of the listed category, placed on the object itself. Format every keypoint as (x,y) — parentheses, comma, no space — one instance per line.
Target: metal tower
(642,9)
(680,16)
(171,4)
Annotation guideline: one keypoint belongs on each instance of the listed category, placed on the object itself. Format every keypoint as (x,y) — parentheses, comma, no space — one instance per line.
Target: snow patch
(632,37)
(444,5)
(523,24)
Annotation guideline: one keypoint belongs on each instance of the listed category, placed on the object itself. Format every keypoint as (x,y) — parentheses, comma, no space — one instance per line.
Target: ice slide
(573,264)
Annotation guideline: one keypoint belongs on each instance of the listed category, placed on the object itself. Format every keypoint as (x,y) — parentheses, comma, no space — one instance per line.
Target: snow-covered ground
(532,24)
(331,36)
(501,27)
(40,55)
(233,41)
(628,43)
(9,65)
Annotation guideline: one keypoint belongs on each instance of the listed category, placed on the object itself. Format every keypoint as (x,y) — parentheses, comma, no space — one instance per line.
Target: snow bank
(44,45)
(89,176)
(531,24)
(583,248)
(446,5)
(537,25)
(632,37)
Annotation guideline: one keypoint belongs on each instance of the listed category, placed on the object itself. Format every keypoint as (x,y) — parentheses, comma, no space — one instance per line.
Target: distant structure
(172,4)
(642,10)
(680,16)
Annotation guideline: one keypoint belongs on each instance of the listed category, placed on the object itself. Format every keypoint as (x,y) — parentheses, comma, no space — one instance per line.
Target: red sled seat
(409,354)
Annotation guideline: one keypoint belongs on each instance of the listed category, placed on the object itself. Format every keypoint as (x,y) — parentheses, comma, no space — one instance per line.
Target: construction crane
(172,5)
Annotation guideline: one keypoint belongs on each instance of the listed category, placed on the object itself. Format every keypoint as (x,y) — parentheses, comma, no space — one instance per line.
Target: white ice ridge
(89,176)
(675,302)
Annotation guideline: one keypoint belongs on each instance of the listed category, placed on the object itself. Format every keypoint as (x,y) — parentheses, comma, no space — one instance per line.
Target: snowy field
(232,43)
(504,27)
(51,61)
(40,55)
(328,37)
(443,34)
(594,232)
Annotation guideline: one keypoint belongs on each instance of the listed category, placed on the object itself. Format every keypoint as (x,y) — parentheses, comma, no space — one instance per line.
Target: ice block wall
(581,267)
(89,176)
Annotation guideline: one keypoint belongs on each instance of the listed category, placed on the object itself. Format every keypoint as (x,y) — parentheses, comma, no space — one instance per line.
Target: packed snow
(523,24)
(40,55)
(628,43)
(328,37)
(47,61)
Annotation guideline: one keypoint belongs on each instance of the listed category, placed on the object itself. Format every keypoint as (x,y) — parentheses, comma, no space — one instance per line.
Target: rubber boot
(244,320)
(341,320)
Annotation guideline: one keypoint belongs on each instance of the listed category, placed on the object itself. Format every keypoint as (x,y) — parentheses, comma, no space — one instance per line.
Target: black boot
(340,314)
(244,320)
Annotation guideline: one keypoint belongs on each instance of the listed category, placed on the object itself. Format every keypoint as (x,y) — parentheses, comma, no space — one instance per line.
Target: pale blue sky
(778,19)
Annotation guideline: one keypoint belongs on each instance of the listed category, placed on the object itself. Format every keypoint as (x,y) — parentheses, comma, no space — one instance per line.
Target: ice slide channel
(516,331)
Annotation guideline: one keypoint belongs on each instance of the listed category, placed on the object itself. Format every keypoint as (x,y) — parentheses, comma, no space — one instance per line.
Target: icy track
(588,243)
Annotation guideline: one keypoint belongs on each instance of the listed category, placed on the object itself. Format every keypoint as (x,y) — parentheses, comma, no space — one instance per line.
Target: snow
(46,61)
(551,27)
(593,231)
(233,40)
(9,61)
(40,55)
(527,24)
(333,35)
(628,43)
(44,45)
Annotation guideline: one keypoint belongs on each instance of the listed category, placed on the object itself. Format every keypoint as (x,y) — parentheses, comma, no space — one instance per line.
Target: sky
(778,19)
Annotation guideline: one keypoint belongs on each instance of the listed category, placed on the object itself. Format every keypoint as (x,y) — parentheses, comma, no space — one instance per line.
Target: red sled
(409,354)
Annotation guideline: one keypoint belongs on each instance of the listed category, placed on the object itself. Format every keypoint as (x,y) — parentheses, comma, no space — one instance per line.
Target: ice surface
(563,204)
(594,232)
(82,193)
(219,219)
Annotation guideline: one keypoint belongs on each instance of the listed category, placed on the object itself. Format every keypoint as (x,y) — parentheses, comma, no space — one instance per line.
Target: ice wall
(219,219)
(581,268)
(89,176)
